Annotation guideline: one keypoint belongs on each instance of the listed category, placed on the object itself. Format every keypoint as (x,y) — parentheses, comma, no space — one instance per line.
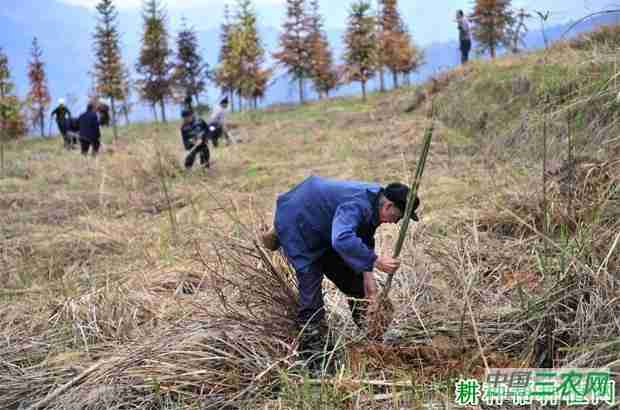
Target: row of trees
(376,42)
(241,68)
(160,78)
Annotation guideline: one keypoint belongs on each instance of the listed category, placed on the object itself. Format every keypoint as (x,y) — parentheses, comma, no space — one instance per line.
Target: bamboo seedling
(415,185)
(382,313)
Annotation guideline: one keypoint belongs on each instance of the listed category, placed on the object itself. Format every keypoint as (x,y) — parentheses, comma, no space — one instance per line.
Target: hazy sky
(430,21)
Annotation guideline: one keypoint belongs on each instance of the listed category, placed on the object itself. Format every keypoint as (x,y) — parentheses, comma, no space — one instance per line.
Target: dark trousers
(85,145)
(311,305)
(201,150)
(465,49)
(62,128)
(70,139)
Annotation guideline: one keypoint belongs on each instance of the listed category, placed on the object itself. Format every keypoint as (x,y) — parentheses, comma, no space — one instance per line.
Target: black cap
(398,194)
(187,113)
(224,100)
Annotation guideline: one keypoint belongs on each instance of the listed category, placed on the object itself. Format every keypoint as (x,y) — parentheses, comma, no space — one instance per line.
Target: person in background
(103,110)
(464,36)
(194,133)
(216,122)
(90,133)
(62,114)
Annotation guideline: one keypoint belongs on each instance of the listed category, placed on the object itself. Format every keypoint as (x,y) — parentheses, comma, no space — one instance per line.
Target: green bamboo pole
(415,184)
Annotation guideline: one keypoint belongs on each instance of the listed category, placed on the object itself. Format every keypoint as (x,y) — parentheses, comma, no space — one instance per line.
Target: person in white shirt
(216,122)
(464,36)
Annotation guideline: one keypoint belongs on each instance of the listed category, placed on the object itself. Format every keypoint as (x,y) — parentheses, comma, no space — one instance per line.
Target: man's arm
(55,112)
(349,216)
(187,138)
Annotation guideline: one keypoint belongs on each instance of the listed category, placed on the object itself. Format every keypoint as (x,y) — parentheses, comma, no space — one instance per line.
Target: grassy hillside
(147,280)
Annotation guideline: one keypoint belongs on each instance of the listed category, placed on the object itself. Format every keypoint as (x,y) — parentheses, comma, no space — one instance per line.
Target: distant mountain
(65,34)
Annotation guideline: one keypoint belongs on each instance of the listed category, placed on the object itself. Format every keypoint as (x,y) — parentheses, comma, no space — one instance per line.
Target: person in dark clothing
(72,128)
(326,227)
(62,114)
(104,114)
(464,36)
(194,134)
(90,133)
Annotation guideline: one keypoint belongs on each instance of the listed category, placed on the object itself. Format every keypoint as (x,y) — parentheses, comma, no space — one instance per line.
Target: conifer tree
(126,104)
(294,53)
(224,75)
(12,124)
(491,20)
(242,56)
(411,59)
(108,67)
(361,45)
(154,64)
(190,71)
(38,96)
(253,78)
(397,51)
(322,70)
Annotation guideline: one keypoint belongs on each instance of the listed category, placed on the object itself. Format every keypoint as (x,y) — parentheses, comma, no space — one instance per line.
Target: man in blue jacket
(194,132)
(90,133)
(327,227)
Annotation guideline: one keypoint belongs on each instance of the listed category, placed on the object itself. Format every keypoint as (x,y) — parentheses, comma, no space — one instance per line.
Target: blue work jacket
(322,214)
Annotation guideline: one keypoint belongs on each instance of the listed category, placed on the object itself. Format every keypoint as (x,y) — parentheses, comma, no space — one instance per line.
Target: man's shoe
(270,240)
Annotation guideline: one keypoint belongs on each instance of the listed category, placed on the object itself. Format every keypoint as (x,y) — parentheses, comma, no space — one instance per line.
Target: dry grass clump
(578,193)
(230,353)
(257,290)
(608,35)
(116,314)
(551,323)
(48,255)
(541,290)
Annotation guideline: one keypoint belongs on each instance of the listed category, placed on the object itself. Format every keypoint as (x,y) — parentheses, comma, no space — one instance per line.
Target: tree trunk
(42,122)
(114,128)
(197,99)
(364,91)
(493,39)
(301,90)
(232,101)
(154,107)
(395,79)
(162,105)
(381,80)
(126,114)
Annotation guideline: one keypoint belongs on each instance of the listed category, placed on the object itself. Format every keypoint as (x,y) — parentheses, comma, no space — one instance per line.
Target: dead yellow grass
(131,261)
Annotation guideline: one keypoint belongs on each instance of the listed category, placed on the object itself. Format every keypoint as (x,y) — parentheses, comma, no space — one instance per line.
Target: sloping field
(128,282)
